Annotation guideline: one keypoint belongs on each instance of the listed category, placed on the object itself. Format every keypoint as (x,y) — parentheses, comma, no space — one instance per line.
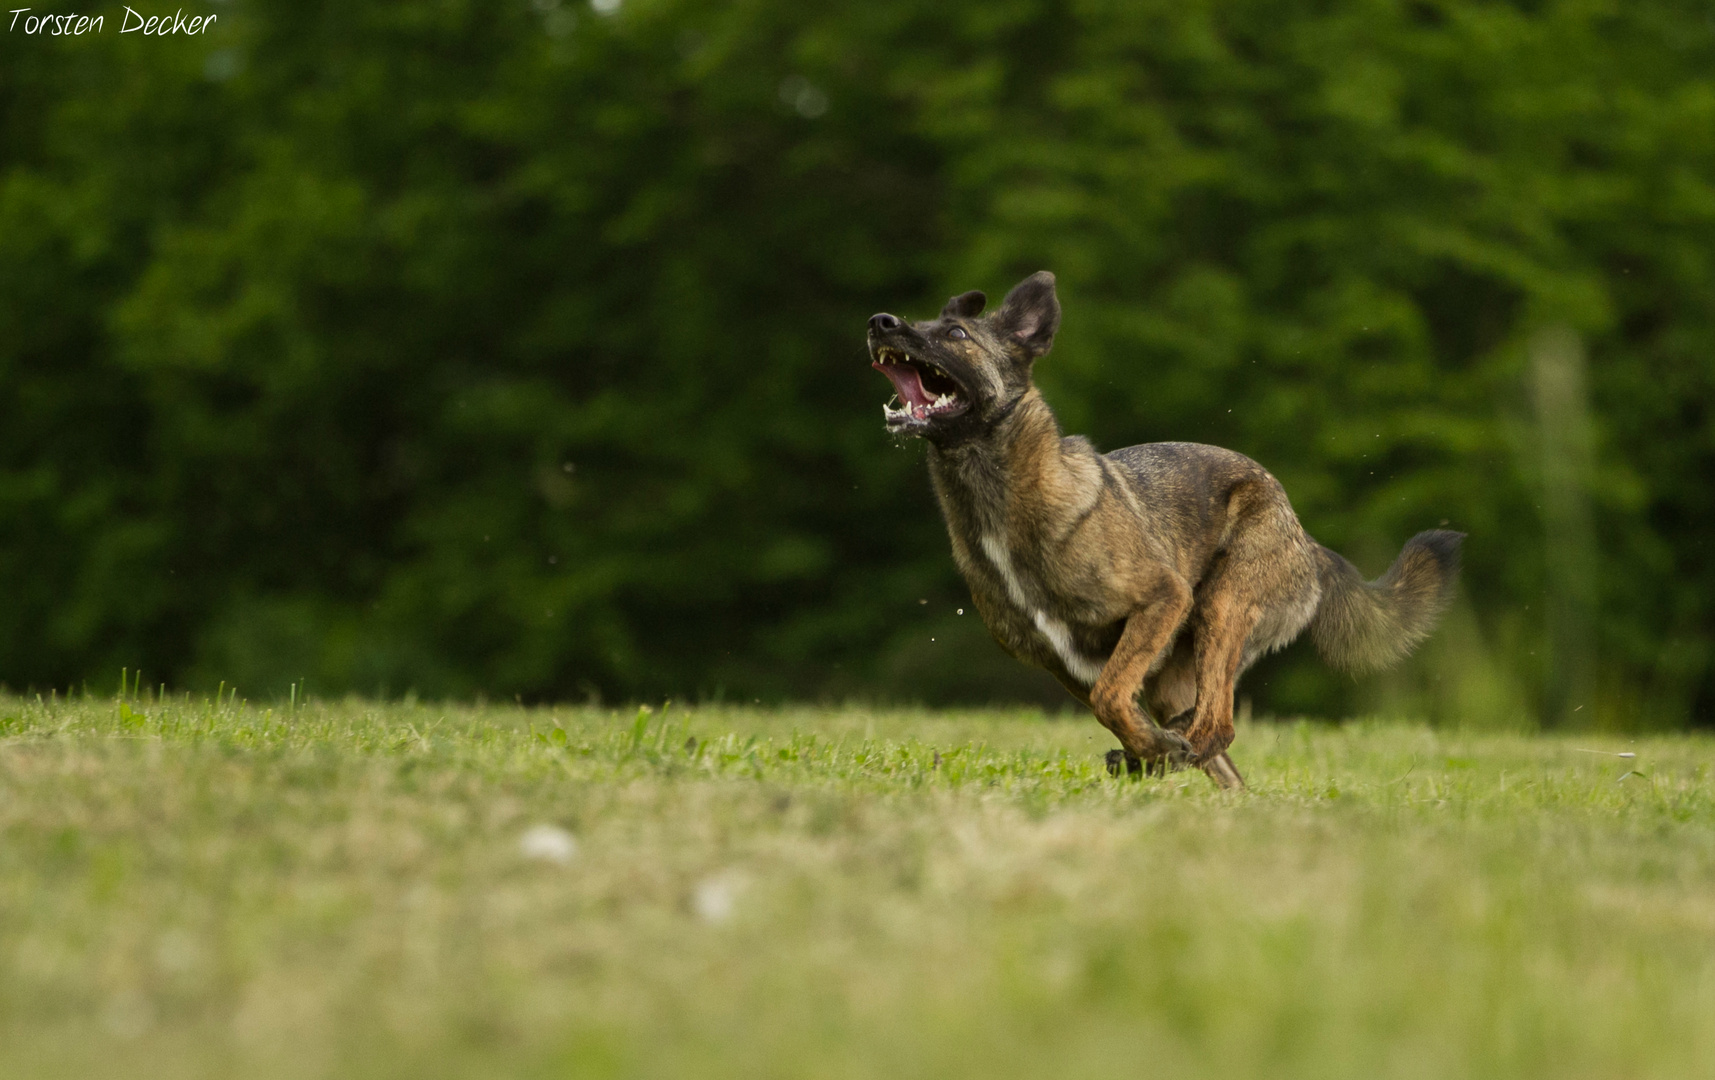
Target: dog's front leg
(1118,762)
(1113,699)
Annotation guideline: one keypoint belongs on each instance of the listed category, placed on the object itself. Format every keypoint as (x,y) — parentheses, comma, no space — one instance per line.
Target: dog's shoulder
(1185,462)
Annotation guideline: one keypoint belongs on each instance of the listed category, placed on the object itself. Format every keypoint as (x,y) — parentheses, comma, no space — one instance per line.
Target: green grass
(192,889)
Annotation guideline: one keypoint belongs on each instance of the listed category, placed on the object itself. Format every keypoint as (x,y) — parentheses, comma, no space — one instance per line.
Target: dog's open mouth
(924,392)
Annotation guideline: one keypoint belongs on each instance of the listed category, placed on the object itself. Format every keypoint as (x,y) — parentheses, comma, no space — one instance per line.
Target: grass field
(348,889)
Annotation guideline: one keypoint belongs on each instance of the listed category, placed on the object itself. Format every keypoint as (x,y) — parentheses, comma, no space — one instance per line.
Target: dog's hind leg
(1218,656)
(1171,696)
(1222,771)
(1266,577)
(1224,619)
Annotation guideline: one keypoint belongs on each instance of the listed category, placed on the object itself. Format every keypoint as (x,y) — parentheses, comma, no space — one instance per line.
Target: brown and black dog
(1145,579)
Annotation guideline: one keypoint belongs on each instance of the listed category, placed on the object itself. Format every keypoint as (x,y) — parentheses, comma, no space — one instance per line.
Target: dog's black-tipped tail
(1364,625)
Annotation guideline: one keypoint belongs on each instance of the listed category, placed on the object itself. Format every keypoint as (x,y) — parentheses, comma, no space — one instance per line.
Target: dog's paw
(1208,748)
(1120,763)
(1176,750)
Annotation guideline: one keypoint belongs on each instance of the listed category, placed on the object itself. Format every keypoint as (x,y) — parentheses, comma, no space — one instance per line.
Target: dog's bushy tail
(1364,625)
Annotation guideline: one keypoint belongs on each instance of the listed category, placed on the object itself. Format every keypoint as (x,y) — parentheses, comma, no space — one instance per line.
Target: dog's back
(1185,492)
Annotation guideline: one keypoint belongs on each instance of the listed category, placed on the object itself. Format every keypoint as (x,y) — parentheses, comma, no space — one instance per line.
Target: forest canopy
(517,348)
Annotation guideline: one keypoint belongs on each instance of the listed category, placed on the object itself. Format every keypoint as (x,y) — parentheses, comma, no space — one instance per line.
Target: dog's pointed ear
(1030,314)
(965,306)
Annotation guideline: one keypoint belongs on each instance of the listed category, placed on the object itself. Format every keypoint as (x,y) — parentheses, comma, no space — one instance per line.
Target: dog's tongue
(907,381)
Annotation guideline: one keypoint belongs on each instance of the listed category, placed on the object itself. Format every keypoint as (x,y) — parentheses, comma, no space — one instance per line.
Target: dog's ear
(965,306)
(1030,314)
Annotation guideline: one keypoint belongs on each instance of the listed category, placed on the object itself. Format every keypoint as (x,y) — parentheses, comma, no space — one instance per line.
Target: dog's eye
(957,332)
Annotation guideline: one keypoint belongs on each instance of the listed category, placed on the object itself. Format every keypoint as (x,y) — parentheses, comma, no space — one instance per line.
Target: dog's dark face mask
(960,374)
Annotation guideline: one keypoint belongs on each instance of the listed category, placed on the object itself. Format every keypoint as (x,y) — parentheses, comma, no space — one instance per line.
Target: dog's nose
(883,322)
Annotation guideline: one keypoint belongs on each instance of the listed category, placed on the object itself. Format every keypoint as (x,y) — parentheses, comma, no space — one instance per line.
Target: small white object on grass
(713,899)
(548,843)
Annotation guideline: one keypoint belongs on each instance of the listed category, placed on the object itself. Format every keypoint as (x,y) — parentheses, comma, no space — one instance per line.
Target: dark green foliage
(487,348)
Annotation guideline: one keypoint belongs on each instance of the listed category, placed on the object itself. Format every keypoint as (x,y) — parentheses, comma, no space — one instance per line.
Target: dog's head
(959,374)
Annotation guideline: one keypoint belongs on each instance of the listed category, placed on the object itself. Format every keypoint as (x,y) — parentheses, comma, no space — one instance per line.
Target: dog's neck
(1013,480)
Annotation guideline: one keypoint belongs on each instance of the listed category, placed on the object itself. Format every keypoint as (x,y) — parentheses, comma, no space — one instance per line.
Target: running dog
(1145,580)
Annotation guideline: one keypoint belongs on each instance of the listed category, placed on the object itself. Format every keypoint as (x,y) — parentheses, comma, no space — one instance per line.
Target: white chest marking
(1055,632)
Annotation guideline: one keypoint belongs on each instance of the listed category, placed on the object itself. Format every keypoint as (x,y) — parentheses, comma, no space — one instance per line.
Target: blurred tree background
(516,348)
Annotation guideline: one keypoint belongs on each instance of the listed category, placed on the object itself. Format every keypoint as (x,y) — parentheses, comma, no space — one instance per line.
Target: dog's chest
(1021,612)
(1020,588)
